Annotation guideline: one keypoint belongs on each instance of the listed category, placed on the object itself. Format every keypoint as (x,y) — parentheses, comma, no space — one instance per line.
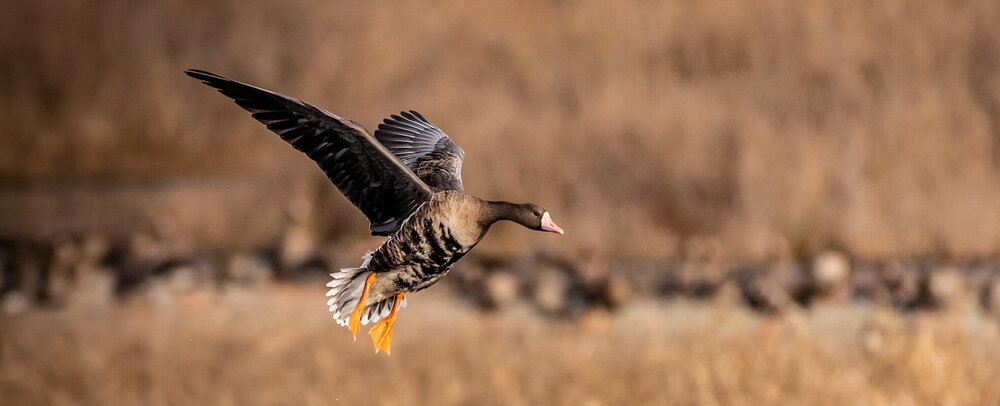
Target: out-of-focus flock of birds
(76,269)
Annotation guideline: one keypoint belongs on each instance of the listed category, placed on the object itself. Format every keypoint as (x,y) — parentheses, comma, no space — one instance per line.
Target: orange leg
(381,332)
(354,323)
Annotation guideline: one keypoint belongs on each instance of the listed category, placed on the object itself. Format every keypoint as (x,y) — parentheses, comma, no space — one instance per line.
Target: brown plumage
(406,179)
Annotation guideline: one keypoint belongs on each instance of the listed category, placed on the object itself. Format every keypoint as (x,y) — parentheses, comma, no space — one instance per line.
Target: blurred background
(765,202)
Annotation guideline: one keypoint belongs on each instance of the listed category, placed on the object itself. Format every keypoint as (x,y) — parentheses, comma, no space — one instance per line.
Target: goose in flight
(406,179)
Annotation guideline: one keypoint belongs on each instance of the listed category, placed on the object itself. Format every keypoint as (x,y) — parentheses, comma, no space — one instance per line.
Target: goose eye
(536,213)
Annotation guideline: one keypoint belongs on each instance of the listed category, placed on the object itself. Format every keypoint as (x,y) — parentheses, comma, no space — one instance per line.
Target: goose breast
(428,243)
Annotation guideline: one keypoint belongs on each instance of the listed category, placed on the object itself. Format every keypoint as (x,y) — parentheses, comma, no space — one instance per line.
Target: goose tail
(346,288)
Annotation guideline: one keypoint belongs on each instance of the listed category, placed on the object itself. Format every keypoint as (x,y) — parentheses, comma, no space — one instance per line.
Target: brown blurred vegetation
(779,127)
(278,347)
(822,162)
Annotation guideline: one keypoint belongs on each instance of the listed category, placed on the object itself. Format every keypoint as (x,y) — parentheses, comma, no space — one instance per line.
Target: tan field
(278,347)
(766,202)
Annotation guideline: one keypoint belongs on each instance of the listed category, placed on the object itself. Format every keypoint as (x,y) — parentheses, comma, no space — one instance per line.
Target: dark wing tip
(419,116)
(202,74)
(414,115)
(209,78)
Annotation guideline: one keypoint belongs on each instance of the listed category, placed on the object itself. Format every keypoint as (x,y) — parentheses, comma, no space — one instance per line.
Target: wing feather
(386,190)
(424,149)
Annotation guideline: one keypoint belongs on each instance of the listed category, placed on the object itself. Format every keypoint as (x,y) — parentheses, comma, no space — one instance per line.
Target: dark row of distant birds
(46,273)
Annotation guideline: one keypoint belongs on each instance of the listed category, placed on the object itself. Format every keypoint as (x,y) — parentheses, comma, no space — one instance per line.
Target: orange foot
(381,332)
(354,323)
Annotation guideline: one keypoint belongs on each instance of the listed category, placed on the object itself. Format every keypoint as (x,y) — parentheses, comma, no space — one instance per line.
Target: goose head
(536,218)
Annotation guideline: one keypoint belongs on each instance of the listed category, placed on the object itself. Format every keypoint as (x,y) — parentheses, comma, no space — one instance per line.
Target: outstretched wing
(423,148)
(366,173)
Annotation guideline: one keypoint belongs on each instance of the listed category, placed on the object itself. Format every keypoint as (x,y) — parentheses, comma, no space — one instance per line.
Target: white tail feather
(345,291)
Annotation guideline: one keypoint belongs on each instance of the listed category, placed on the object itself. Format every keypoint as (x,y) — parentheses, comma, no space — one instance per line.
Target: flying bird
(406,179)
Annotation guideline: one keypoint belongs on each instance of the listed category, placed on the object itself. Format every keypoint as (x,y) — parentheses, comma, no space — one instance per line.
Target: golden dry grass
(277,346)
(777,126)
